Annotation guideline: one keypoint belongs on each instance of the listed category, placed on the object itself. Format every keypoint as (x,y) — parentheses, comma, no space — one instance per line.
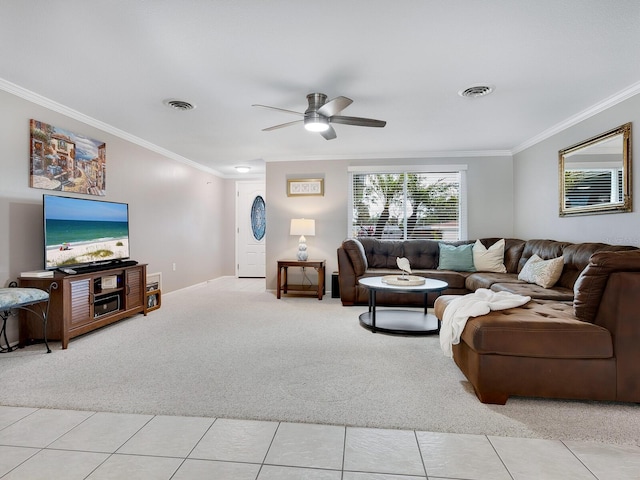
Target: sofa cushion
(512,252)
(545,249)
(356,253)
(486,279)
(538,329)
(548,330)
(422,254)
(542,272)
(383,253)
(489,259)
(454,279)
(558,294)
(456,257)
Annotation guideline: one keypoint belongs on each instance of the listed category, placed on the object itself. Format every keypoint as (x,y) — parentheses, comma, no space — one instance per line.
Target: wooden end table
(283,284)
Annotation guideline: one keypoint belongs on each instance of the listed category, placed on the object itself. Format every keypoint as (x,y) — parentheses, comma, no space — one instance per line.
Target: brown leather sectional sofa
(579,339)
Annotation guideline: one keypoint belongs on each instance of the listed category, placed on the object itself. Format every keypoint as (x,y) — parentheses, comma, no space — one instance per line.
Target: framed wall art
(65,161)
(305,186)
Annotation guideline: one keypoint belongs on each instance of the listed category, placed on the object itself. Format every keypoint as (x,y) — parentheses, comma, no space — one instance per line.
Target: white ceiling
(402,61)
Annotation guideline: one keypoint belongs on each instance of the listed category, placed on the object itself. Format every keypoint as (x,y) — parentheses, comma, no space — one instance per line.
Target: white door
(250,229)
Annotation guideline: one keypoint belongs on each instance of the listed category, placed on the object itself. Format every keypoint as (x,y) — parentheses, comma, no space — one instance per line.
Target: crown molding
(569,122)
(394,156)
(71,113)
(581,116)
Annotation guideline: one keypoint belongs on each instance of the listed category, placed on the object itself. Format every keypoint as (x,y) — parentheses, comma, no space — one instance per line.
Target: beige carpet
(223,350)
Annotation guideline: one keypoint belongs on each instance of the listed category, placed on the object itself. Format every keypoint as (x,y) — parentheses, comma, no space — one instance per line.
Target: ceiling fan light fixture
(317,126)
(320,114)
(315,123)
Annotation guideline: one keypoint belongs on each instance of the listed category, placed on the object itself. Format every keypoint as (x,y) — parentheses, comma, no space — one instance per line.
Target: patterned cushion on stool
(15,297)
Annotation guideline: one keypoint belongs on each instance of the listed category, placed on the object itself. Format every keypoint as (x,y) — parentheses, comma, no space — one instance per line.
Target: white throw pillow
(491,260)
(542,272)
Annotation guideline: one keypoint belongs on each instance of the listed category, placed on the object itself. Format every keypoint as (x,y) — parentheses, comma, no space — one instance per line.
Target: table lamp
(302,227)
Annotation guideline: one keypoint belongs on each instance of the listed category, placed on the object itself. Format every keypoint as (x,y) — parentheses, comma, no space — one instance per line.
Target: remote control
(70,271)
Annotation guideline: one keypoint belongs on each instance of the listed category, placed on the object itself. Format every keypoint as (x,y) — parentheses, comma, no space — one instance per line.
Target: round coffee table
(400,321)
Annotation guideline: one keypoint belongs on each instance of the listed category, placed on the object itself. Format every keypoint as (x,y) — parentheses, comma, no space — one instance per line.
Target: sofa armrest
(357,255)
(346,278)
(591,283)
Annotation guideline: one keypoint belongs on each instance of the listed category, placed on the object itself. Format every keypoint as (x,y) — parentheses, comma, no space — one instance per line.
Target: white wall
(536,186)
(490,204)
(178,214)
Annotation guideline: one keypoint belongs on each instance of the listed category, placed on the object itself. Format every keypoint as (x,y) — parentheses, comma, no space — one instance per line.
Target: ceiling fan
(320,114)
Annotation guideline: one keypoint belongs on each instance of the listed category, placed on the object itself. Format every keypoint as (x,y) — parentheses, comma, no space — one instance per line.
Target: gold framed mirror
(595,175)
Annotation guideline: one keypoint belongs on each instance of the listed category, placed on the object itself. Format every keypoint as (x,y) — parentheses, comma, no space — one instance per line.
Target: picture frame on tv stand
(152,300)
(153,292)
(154,281)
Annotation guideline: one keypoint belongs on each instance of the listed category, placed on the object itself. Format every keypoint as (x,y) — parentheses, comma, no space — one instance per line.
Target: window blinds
(406,205)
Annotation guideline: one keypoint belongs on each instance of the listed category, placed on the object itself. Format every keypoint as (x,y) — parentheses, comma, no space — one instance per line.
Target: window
(408,204)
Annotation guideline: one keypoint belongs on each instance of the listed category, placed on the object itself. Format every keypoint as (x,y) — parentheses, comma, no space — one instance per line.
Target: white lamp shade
(303,226)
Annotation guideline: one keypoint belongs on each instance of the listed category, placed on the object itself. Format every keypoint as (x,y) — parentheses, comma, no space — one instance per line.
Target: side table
(284,286)
(400,321)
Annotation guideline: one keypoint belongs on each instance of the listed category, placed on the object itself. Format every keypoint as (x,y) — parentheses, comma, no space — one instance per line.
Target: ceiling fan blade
(329,134)
(335,106)
(359,121)
(282,125)
(276,108)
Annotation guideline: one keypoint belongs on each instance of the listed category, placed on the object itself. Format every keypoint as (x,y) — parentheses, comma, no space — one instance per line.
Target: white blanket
(480,302)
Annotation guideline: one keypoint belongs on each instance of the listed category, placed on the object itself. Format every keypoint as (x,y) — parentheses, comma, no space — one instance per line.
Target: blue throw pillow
(459,259)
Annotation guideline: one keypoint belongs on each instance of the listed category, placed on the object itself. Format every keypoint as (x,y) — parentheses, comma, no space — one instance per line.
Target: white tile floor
(62,444)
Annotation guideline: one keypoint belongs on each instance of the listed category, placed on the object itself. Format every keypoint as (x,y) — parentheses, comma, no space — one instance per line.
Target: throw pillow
(489,260)
(542,272)
(459,259)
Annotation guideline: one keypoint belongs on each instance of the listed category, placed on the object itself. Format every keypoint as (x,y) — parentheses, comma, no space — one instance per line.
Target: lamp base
(302,249)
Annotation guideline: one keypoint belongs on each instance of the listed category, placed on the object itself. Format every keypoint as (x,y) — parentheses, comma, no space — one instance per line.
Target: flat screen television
(84,232)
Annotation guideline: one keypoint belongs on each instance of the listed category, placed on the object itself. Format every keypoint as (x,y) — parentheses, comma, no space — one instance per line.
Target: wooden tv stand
(80,304)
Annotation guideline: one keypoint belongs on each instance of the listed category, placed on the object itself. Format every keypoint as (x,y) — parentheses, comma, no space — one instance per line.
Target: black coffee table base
(401,322)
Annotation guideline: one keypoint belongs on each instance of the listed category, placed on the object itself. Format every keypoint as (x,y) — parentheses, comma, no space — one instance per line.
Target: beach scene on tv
(79,231)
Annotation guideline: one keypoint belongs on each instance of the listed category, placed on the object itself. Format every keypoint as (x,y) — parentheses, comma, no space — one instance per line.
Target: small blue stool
(17,298)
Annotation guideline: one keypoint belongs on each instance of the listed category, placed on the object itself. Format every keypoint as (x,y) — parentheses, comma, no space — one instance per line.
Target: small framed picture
(154,281)
(152,300)
(305,186)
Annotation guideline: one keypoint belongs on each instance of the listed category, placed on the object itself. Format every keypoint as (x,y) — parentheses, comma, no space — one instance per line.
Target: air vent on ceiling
(476,91)
(179,104)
